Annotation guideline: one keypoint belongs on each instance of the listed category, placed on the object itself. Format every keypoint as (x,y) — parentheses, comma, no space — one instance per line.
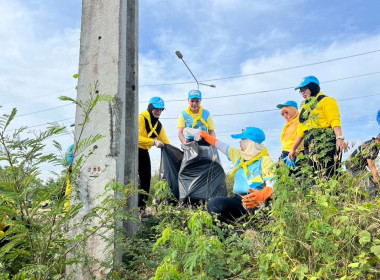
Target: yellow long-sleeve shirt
(326,114)
(146,142)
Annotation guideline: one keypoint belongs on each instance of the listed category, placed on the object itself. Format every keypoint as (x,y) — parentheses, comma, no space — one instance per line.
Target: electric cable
(48,109)
(223,96)
(268,71)
(268,110)
(51,122)
(269,90)
(36,97)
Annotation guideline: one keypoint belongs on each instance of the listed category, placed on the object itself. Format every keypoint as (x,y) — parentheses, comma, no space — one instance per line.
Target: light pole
(180,56)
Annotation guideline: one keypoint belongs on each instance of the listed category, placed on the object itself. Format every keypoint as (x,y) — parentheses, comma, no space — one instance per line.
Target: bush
(325,230)
(34,241)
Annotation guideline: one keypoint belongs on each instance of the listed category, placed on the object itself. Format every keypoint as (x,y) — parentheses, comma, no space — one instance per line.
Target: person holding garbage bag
(195,116)
(151,133)
(320,128)
(253,175)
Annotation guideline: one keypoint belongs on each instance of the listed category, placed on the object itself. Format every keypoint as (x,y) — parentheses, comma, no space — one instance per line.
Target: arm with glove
(257,197)
(158,143)
(221,146)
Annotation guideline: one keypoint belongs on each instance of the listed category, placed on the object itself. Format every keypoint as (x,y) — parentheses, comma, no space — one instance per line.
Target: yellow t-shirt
(326,114)
(289,134)
(181,122)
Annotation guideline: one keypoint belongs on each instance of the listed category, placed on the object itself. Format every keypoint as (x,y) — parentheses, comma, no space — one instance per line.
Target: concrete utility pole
(109,57)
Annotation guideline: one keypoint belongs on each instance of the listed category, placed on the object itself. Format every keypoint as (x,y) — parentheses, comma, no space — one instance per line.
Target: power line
(238,76)
(270,90)
(224,133)
(222,96)
(36,97)
(270,130)
(227,132)
(266,72)
(363,96)
(51,122)
(269,110)
(43,124)
(49,109)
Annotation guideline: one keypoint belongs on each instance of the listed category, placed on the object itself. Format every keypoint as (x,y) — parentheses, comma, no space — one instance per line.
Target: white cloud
(271,122)
(218,38)
(36,69)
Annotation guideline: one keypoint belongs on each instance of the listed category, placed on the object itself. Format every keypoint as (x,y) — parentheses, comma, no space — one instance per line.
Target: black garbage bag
(171,159)
(201,175)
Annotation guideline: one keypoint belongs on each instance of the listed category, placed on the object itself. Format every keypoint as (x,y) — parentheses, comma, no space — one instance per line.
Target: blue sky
(39,53)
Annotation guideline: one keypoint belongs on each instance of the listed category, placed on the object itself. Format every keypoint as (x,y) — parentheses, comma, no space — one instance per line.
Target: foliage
(191,246)
(315,228)
(326,230)
(230,184)
(34,242)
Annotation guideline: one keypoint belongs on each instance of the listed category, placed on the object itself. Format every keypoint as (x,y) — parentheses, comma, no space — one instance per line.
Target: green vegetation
(314,229)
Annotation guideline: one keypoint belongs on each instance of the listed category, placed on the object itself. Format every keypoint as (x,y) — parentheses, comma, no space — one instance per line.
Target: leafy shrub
(325,230)
(34,241)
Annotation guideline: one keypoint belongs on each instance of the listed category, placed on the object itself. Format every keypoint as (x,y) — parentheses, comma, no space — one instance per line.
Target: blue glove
(289,163)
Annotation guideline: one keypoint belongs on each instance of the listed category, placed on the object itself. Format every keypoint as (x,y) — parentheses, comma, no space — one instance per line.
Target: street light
(180,56)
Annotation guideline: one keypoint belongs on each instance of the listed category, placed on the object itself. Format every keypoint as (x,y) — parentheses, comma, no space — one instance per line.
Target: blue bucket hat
(307,80)
(157,102)
(378,117)
(195,94)
(287,104)
(252,133)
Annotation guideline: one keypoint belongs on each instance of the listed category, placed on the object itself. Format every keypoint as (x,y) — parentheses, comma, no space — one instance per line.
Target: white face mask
(249,148)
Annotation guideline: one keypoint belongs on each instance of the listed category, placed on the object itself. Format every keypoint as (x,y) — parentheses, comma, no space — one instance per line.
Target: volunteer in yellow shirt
(320,127)
(289,111)
(151,132)
(195,116)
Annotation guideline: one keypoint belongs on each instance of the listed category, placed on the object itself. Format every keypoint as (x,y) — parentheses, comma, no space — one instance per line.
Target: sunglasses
(302,89)
(284,113)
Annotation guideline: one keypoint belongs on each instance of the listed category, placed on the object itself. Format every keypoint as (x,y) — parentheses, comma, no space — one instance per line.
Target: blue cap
(307,80)
(157,102)
(252,133)
(288,103)
(69,156)
(195,94)
(378,117)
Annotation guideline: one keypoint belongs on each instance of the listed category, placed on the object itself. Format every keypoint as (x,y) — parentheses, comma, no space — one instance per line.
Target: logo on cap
(194,93)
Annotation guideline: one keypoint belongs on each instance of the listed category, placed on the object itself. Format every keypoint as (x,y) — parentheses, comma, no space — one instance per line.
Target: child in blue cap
(253,174)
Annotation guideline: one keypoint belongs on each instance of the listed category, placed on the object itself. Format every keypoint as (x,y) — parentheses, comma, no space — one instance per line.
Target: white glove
(158,144)
(195,132)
